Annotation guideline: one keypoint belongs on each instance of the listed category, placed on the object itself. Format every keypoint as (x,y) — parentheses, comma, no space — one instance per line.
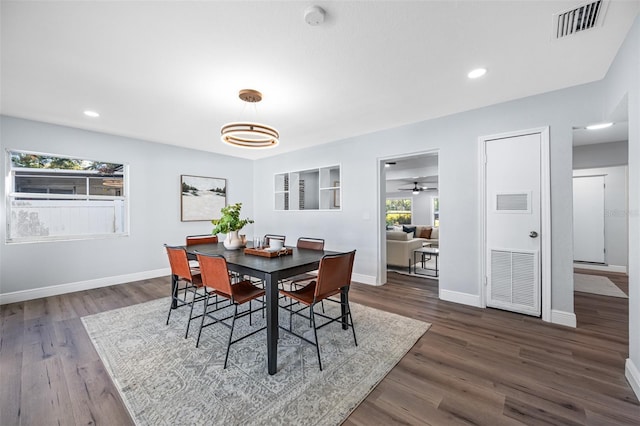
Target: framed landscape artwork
(201,197)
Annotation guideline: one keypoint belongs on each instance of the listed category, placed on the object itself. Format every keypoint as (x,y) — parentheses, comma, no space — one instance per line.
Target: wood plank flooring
(474,366)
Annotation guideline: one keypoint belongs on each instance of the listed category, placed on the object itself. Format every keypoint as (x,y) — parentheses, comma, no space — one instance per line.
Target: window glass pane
(436,211)
(50,184)
(398,211)
(106,186)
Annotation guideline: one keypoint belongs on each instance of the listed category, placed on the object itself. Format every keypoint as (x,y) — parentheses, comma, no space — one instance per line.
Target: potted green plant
(230,223)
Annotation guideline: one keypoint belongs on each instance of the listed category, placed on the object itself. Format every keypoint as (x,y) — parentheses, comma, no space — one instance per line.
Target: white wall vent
(578,19)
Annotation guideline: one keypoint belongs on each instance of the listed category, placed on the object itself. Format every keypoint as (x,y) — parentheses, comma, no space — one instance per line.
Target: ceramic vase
(233,241)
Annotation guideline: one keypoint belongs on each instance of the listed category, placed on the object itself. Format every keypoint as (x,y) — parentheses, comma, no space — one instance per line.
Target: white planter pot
(233,241)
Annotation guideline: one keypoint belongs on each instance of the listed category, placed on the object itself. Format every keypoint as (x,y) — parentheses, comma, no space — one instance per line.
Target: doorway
(409,198)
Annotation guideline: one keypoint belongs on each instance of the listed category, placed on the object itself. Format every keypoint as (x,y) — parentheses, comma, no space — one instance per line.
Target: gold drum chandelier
(249,135)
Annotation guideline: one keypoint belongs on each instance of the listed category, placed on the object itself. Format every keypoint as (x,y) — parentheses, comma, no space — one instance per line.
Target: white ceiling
(170,71)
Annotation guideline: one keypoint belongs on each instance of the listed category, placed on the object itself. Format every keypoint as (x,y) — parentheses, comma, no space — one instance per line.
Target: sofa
(401,242)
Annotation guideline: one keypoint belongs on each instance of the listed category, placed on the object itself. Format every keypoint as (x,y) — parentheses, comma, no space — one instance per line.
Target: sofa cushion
(399,235)
(435,233)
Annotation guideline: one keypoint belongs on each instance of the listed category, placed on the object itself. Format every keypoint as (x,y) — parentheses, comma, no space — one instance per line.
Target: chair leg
(170,309)
(233,323)
(353,327)
(193,302)
(204,314)
(315,334)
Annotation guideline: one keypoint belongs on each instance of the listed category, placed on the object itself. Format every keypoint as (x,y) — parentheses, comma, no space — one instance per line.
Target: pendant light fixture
(246,134)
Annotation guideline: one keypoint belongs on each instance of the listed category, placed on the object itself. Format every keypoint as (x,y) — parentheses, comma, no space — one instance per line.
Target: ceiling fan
(417,189)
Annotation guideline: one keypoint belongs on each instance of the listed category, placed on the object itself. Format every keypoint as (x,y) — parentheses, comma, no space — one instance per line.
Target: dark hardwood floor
(474,366)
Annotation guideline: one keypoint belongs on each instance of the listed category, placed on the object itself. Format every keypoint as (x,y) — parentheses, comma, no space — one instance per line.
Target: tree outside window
(398,211)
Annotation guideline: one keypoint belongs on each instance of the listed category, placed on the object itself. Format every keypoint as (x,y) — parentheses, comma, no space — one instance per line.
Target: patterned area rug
(596,284)
(165,380)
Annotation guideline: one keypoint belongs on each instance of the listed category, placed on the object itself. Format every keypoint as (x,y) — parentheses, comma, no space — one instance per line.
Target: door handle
(533,234)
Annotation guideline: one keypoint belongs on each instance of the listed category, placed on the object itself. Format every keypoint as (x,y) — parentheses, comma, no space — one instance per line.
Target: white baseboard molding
(54,290)
(563,318)
(364,279)
(632,374)
(606,268)
(458,297)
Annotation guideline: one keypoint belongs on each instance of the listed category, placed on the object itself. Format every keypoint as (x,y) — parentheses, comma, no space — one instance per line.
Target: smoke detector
(314,15)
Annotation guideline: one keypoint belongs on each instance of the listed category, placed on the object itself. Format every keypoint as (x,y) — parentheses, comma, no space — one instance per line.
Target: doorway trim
(545,215)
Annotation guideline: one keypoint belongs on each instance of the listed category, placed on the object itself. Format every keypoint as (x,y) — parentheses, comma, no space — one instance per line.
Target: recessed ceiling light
(91,114)
(478,72)
(599,126)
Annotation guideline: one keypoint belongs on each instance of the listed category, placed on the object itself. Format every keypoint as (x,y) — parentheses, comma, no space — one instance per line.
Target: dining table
(270,270)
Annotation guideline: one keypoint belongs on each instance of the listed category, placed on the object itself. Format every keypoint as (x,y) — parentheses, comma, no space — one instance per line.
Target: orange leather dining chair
(215,278)
(191,282)
(193,240)
(334,276)
(268,237)
(307,243)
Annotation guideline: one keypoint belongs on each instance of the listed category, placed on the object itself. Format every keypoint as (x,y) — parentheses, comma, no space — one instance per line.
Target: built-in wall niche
(312,189)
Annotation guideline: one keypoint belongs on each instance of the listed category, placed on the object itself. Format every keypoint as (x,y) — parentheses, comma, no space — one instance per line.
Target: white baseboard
(458,297)
(563,318)
(606,268)
(364,279)
(36,293)
(632,374)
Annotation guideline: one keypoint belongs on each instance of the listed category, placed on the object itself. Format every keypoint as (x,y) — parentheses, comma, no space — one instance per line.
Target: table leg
(344,300)
(174,291)
(271,287)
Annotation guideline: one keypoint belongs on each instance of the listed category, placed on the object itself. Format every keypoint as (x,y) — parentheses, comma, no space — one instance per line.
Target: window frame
(121,221)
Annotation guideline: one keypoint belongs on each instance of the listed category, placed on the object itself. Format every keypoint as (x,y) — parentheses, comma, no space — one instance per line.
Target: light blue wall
(601,155)
(356,226)
(155,171)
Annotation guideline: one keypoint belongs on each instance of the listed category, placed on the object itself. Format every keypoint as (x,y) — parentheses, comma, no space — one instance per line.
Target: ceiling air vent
(581,18)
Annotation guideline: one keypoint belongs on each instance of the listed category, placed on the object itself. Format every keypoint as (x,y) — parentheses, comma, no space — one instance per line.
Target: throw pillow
(435,233)
(408,229)
(425,232)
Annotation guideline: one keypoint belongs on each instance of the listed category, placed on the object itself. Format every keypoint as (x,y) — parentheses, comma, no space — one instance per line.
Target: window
(399,211)
(58,198)
(435,208)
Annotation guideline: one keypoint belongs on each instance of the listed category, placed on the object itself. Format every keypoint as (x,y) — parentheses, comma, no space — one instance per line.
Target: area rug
(596,284)
(418,271)
(165,380)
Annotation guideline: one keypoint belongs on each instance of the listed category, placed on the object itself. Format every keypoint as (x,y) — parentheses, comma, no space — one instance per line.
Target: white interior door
(512,195)
(588,219)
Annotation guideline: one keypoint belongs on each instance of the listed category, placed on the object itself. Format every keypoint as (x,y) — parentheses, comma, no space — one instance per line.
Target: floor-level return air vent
(581,18)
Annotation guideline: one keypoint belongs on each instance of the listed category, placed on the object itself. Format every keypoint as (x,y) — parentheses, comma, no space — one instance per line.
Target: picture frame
(201,197)
(336,194)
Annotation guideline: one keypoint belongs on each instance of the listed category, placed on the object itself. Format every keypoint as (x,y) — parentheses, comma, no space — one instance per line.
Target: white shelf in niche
(311,189)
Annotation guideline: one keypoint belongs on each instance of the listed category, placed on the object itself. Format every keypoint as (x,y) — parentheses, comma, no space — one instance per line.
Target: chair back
(193,240)
(268,237)
(179,262)
(215,273)
(310,243)
(334,273)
